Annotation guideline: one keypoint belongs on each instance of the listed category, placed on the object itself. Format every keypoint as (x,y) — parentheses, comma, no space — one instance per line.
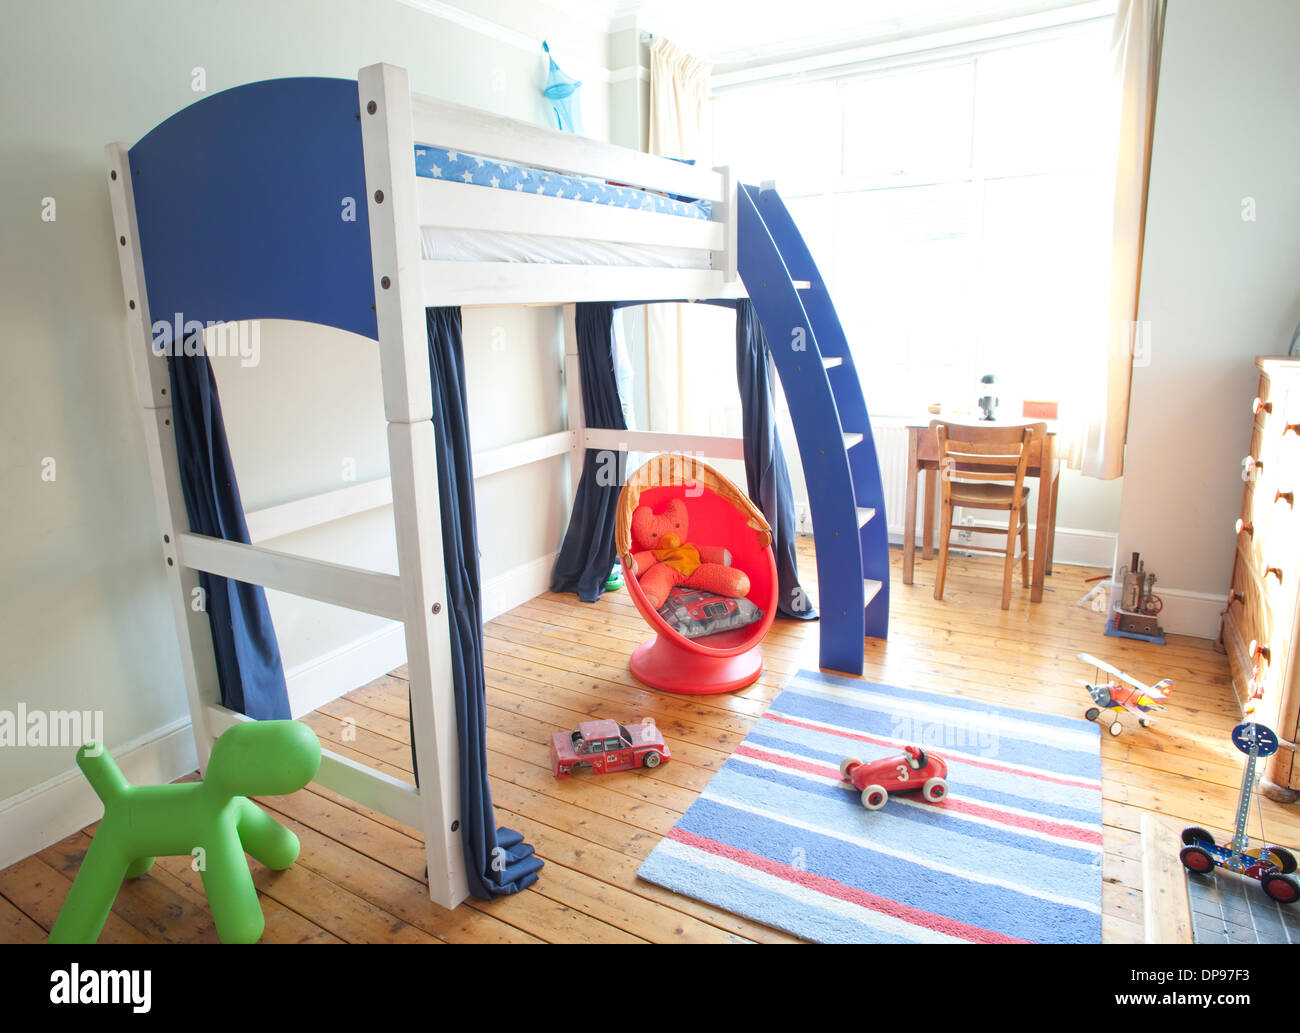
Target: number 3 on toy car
(902,772)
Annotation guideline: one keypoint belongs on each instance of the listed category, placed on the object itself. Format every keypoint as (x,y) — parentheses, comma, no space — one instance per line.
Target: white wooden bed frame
(393,120)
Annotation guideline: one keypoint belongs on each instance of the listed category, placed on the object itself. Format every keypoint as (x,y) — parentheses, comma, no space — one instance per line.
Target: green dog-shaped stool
(212,820)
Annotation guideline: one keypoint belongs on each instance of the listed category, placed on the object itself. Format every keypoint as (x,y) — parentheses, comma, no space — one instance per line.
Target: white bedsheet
(481,246)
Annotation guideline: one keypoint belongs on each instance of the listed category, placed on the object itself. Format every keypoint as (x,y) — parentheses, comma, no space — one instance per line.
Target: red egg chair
(719,514)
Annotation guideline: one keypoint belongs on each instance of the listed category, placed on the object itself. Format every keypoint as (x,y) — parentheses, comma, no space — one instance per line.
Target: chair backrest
(671,475)
(986,452)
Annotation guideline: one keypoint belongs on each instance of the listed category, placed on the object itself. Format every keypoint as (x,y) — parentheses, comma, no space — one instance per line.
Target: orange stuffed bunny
(664,559)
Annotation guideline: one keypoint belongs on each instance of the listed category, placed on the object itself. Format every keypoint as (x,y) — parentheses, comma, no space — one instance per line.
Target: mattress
(440,163)
(439,244)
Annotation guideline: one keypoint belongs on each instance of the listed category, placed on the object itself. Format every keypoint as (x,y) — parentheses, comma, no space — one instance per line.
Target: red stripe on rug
(831,888)
(1023,821)
(844,733)
(957,805)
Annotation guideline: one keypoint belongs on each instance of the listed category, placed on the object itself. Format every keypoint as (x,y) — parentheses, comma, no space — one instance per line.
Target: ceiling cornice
(605,15)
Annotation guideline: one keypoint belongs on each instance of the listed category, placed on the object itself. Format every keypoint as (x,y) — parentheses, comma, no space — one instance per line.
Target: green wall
(85,622)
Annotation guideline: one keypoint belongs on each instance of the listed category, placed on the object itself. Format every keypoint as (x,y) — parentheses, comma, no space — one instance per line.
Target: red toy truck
(605,746)
(913,769)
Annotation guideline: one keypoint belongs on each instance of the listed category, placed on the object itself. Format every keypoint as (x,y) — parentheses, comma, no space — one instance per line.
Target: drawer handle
(1236,597)
(1251,468)
(1260,651)
(1275,571)
(1259,404)
(1285,496)
(1294,428)
(1243,526)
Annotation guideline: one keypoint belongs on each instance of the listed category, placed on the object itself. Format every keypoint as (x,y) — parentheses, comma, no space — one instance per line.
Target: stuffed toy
(663,559)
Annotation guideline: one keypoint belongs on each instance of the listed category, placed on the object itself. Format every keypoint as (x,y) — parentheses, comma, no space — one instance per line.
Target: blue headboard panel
(240,204)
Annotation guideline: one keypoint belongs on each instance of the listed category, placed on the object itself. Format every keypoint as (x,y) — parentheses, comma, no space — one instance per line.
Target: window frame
(831,188)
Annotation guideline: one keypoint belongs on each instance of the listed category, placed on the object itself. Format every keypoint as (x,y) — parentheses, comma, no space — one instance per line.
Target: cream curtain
(1095,422)
(679,88)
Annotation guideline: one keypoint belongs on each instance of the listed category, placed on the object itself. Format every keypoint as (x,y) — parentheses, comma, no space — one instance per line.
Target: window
(959,211)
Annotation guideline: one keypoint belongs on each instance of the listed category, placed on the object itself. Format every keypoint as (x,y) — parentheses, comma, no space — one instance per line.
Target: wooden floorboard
(553,662)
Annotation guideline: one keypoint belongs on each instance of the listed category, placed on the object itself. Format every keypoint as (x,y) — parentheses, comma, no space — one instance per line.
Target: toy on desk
(1270,865)
(212,821)
(1122,693)
(605,746)
(988,401)
(915,768)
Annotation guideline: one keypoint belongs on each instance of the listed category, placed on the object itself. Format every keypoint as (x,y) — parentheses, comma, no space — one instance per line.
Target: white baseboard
(516,586)
(58,807)
(1190,613)
(1080,548)
(327,677)
(1074,546)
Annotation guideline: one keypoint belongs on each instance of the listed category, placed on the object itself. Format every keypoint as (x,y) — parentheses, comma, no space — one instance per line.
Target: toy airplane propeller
(1123,692)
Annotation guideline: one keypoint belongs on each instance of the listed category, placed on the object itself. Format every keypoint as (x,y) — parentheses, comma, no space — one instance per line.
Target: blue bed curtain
(243,639)
(587,553)
(766,474)
(498,860)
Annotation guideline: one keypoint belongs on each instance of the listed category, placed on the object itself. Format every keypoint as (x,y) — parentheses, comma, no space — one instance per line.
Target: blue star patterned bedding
(438,163)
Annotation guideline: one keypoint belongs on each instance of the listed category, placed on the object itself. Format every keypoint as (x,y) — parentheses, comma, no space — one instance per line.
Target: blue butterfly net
(561,93)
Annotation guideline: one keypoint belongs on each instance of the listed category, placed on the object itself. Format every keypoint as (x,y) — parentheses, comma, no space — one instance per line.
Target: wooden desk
(923,455)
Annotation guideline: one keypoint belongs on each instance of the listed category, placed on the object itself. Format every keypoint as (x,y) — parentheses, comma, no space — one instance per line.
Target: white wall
(84,618)
(1217,290)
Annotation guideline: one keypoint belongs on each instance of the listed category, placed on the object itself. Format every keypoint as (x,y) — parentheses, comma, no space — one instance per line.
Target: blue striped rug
(1012,855)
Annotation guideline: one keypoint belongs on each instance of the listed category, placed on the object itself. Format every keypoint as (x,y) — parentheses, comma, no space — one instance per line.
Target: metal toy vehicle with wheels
(1121,692)
(603,746)
(1271,866)
(914,769)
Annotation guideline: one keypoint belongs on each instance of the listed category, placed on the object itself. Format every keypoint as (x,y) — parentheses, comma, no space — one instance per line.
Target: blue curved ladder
(829,412)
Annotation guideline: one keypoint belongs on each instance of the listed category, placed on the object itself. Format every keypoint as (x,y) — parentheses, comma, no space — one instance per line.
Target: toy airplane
(1123,692)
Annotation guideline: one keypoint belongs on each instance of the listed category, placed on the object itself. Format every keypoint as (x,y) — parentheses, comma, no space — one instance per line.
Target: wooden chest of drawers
(1259,630)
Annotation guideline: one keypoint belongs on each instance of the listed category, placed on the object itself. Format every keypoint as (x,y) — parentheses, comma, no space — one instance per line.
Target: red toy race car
(605,746)
(913,769)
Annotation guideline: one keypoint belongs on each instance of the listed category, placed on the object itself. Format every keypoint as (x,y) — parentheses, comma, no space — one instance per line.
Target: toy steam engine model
(1135,611)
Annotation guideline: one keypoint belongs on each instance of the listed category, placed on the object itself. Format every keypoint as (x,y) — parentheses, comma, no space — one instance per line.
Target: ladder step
(374,789)
(830,361)
(865,515)
(870,590)
(850,440)
(350,587)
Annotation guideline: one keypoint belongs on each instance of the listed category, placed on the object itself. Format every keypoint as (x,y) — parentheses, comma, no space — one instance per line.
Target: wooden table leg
(909,509)
(1051,528)
(931,494)
(1047,475)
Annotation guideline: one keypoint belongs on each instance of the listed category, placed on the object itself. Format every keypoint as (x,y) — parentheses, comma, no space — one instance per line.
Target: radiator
(891,451)
(890,434)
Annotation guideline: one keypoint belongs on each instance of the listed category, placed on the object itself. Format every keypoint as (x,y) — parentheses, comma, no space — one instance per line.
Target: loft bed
(237,208)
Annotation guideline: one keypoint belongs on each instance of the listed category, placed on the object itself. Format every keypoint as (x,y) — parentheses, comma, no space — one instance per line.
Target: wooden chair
(983,467)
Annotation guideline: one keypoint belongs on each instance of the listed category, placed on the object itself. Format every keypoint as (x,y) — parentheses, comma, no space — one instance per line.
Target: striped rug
(1012,855)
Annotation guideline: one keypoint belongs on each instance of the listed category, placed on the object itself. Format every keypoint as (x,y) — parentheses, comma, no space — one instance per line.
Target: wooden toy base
(1114,632)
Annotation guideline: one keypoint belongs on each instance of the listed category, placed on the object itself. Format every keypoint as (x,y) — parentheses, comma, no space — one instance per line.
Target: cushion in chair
(695,613)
